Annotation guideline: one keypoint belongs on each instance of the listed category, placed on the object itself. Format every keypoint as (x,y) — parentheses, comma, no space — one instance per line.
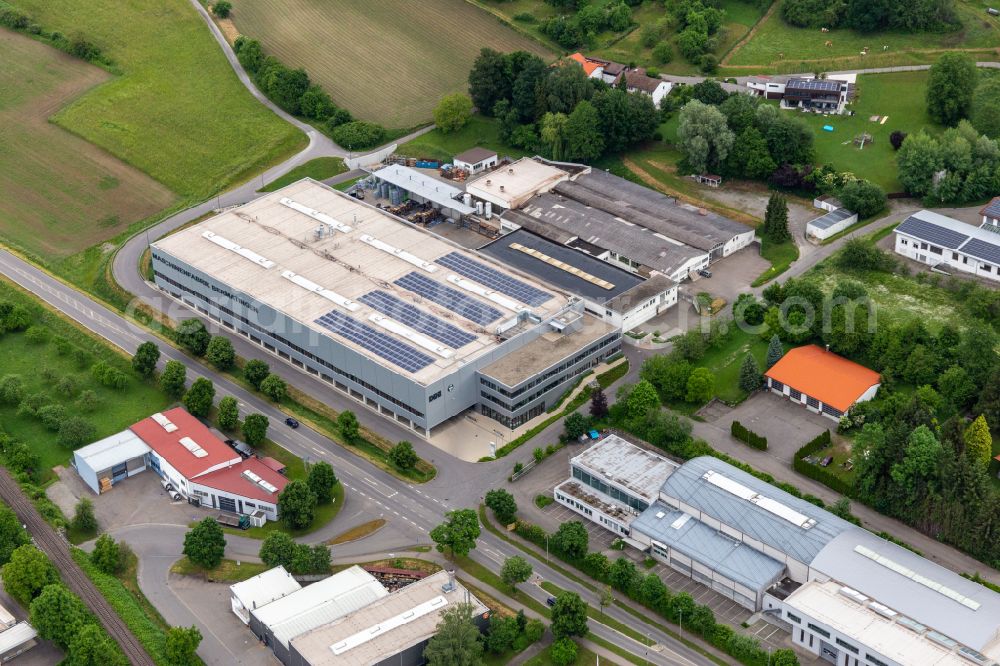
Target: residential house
(638,81)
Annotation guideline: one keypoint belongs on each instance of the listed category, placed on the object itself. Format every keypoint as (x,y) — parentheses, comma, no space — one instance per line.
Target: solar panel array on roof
(452,299)
(417,319)
(982,250)
(814,84)
(932,233)
(992,209)
(375,341)
(494,279)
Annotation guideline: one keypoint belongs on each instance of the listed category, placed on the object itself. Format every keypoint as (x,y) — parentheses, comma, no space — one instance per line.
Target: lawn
(61,194)
(787,48)
(902,97)
(177,112)
(584,657)
(319,168)
(479,131)
(781,256)
(389,62)
(740,17)
(228,571)
(725,362)
(33,362)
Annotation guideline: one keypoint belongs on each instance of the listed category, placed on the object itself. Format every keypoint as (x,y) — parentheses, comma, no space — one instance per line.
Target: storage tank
(479,208)
(489,210)
(467,199)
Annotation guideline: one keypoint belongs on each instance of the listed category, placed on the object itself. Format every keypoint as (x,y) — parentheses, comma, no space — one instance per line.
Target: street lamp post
(546,547)
(680,623)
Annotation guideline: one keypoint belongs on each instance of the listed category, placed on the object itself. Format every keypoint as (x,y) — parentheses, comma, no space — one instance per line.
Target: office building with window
(405,322)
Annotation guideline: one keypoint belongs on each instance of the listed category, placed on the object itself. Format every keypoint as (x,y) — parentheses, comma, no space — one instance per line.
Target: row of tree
(558,111)
(872,15)
(581,27)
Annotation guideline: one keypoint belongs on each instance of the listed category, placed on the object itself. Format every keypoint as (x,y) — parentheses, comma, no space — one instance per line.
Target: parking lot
(785,424)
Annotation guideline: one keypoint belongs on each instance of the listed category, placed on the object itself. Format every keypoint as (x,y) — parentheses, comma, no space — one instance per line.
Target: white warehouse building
(950,245)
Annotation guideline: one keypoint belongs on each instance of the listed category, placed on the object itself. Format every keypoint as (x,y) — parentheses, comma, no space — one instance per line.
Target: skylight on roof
(401,254)
(943,590)
(315,214)
(234,247)
(766,503)
(164,422)
(319,290)
(193,447)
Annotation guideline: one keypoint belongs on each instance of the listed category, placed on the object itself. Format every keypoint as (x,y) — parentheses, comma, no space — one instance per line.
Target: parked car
(705,273)
(826,461)
(551,601)
(291,423)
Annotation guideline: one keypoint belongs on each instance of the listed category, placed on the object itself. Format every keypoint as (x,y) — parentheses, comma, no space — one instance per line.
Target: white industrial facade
(948,244)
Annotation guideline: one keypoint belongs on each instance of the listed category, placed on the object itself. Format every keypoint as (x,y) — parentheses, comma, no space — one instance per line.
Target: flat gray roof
(734,560)
(425,186)
(833,217)
(505,251)
(475,155)
(906,582)
(629,466)
(112,450)
(754,507)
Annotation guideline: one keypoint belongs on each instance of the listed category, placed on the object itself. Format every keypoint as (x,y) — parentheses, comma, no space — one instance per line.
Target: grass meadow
(479,131)
(787,48)
(319,168)
(177,112)
(61,193)
(388,62)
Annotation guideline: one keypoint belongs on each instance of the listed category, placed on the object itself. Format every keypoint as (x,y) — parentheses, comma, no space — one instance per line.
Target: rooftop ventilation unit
(660,515)
(329,295)
(233,247)
(488,294)
(411,335)
(681,521)
(164,422)
(396,252)
(193,447)
(917,578)
(315,214)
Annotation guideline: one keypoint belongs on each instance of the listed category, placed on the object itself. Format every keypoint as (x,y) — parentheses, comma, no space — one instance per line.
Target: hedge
(817,473)
(748,437)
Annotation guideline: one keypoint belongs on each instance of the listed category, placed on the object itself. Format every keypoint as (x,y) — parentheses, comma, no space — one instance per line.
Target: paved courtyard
(786,425)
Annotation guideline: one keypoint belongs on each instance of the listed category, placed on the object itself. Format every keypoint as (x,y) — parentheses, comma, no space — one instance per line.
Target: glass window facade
(611,491)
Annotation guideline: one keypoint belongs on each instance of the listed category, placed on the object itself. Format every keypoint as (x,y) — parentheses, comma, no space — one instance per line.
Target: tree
(584,141)
(358,135)
(775,228)
(222,8)
(205,543)
(956,387)
(229,414)
(575,426)
(641,399)
(569,616)
(250,53)
(920,461)
(515,570)
(950,88)
(453,112)
(220,352)
(108,555)
(566,86)
(403,456)
(896,139)
(11,389)
(255,371)
(489,80)
(283,85)
(863,197)
(255,429)
(58,614)
(458,533)
(571,539)
(598,403)
(457,641)
(193,336)
(553,133)
(503,505)
(182,645)
(297,504)
(274,387)
(84,519)
(979,442)
(774,351)
(145,359)
(27,573)
(563,652)
(321,481)
(669,374)
(918,161)
(704,136)
(277,549)
(12,534)
(983,111)
(700,386)
(749,156)
(173,379)
(347,423)
(198,399)
(750,377)
(76,431)
(91,645)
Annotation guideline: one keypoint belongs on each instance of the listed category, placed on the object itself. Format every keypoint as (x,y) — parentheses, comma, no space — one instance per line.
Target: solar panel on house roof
(494,279)
(452,299)
(814,84)
(375,341)
(982,250)
(417,319)
(992,209)
(932,233)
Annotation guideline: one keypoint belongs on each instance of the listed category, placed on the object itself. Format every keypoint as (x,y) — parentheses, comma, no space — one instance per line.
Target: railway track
(53,545)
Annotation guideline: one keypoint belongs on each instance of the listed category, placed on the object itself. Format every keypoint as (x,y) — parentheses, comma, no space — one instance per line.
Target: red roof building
(824,382)
(235,481)
(185,443)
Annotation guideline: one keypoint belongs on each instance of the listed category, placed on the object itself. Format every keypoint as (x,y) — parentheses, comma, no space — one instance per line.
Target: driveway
(731,276)
(786,425)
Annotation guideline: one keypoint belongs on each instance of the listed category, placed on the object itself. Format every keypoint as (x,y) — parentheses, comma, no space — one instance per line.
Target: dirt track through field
(387,61)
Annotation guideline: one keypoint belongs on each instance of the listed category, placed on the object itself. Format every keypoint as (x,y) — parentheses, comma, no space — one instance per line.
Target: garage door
(227,504)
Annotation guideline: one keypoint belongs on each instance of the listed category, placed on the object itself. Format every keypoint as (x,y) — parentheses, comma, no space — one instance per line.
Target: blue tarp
(827,128)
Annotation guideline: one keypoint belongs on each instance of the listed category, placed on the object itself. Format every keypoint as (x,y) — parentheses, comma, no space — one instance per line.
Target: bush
(358,135)
(13,19)
(663,53)
(752,439)
(222,8)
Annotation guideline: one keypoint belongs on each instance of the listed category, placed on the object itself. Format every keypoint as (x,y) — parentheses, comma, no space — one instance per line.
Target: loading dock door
(227,504)
(119,472)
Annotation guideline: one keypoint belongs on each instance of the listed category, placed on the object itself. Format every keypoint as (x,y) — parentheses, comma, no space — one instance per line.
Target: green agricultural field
(787,48)
(740,17)
(388,62)
(901,96)
(177,112)
(115,411)
(60,193)
(480,131)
